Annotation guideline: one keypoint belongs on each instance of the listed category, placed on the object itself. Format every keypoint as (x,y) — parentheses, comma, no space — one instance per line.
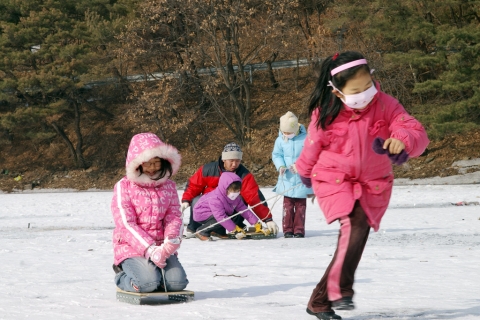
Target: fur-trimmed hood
(143,147)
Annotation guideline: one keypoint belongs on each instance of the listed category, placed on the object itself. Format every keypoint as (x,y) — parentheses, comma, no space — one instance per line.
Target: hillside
(71,95)
(48,165)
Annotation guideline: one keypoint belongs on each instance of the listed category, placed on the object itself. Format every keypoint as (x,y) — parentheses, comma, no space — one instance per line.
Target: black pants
(192,224)
(238,220)
(337,282)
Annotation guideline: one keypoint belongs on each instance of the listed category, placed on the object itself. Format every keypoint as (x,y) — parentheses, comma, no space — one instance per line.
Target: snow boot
(325,315)
(189,234)
(218,235)
(346,303)
(117,269)
(298,235)
(288,234)
(202,237)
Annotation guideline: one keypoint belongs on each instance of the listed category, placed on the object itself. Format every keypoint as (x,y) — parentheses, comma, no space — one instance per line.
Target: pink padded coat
(145,211)
(342,164)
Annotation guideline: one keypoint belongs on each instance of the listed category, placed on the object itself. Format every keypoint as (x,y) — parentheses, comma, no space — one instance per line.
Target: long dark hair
(165,166)
(322,97)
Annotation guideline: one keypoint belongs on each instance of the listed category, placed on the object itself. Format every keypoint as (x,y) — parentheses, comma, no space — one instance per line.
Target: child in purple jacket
(219,204)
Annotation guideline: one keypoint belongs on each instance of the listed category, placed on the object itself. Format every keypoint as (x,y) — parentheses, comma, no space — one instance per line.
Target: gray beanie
(232,151)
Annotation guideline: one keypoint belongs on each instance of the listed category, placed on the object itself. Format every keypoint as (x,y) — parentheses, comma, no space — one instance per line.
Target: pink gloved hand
(170,246)
(156,255)
(160,254)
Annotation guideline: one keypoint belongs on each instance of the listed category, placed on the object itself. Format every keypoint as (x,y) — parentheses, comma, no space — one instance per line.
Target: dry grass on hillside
(48,164)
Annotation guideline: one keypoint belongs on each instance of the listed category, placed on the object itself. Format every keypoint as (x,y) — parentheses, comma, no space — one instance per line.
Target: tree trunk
(243,100)
(67,141)
(160,129)
(271,75)
(78,150)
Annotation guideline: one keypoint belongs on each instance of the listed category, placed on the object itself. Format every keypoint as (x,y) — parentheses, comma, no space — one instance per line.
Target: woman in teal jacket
(287,149)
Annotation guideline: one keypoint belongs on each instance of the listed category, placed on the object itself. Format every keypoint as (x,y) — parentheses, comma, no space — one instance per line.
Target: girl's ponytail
(322,97)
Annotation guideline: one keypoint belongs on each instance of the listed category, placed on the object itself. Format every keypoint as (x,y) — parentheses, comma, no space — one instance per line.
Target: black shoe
(298,235)
(346,303)
(288,234)
(326,315)
(117,269)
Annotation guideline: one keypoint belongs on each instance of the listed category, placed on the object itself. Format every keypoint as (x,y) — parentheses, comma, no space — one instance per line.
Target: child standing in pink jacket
(148,223)
(355,134)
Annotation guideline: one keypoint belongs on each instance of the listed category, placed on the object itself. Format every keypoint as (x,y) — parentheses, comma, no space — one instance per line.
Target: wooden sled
(155,297)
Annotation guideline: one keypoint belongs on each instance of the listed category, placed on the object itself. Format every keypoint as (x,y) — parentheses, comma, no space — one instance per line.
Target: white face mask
(358,100)
(233,195)
(289,136)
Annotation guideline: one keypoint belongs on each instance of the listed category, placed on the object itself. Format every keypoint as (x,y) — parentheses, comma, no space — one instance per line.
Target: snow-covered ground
(424,263)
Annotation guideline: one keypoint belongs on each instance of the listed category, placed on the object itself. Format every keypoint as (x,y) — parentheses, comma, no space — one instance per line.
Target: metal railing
(250,68)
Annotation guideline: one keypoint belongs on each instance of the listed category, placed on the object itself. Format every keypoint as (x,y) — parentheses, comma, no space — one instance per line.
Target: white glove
(293,169)
(240,235)
(272,226)
(184,206)
(282,170)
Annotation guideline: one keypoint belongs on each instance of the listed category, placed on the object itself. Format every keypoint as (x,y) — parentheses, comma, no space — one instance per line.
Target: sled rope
(275,202)
(240,212)
(164,283)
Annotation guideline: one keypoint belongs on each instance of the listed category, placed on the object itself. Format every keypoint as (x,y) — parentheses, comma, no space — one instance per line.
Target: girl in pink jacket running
(355,134)
(148,223)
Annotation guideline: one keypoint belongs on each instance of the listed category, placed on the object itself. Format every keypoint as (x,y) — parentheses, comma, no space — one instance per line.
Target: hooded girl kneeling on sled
(148,221)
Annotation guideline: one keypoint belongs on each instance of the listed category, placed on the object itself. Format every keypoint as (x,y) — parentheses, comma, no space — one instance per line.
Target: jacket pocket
(329,183)
(379,192)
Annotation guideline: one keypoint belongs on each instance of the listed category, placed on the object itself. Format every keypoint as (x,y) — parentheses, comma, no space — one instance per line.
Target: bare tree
(206,45)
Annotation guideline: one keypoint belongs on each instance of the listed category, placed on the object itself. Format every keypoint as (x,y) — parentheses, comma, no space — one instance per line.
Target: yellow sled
(253,234)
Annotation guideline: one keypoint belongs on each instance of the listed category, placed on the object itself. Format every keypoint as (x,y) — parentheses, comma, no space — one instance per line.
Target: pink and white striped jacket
(145,211)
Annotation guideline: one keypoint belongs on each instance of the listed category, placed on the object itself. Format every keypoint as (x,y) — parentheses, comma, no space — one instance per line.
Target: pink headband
(348,66)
